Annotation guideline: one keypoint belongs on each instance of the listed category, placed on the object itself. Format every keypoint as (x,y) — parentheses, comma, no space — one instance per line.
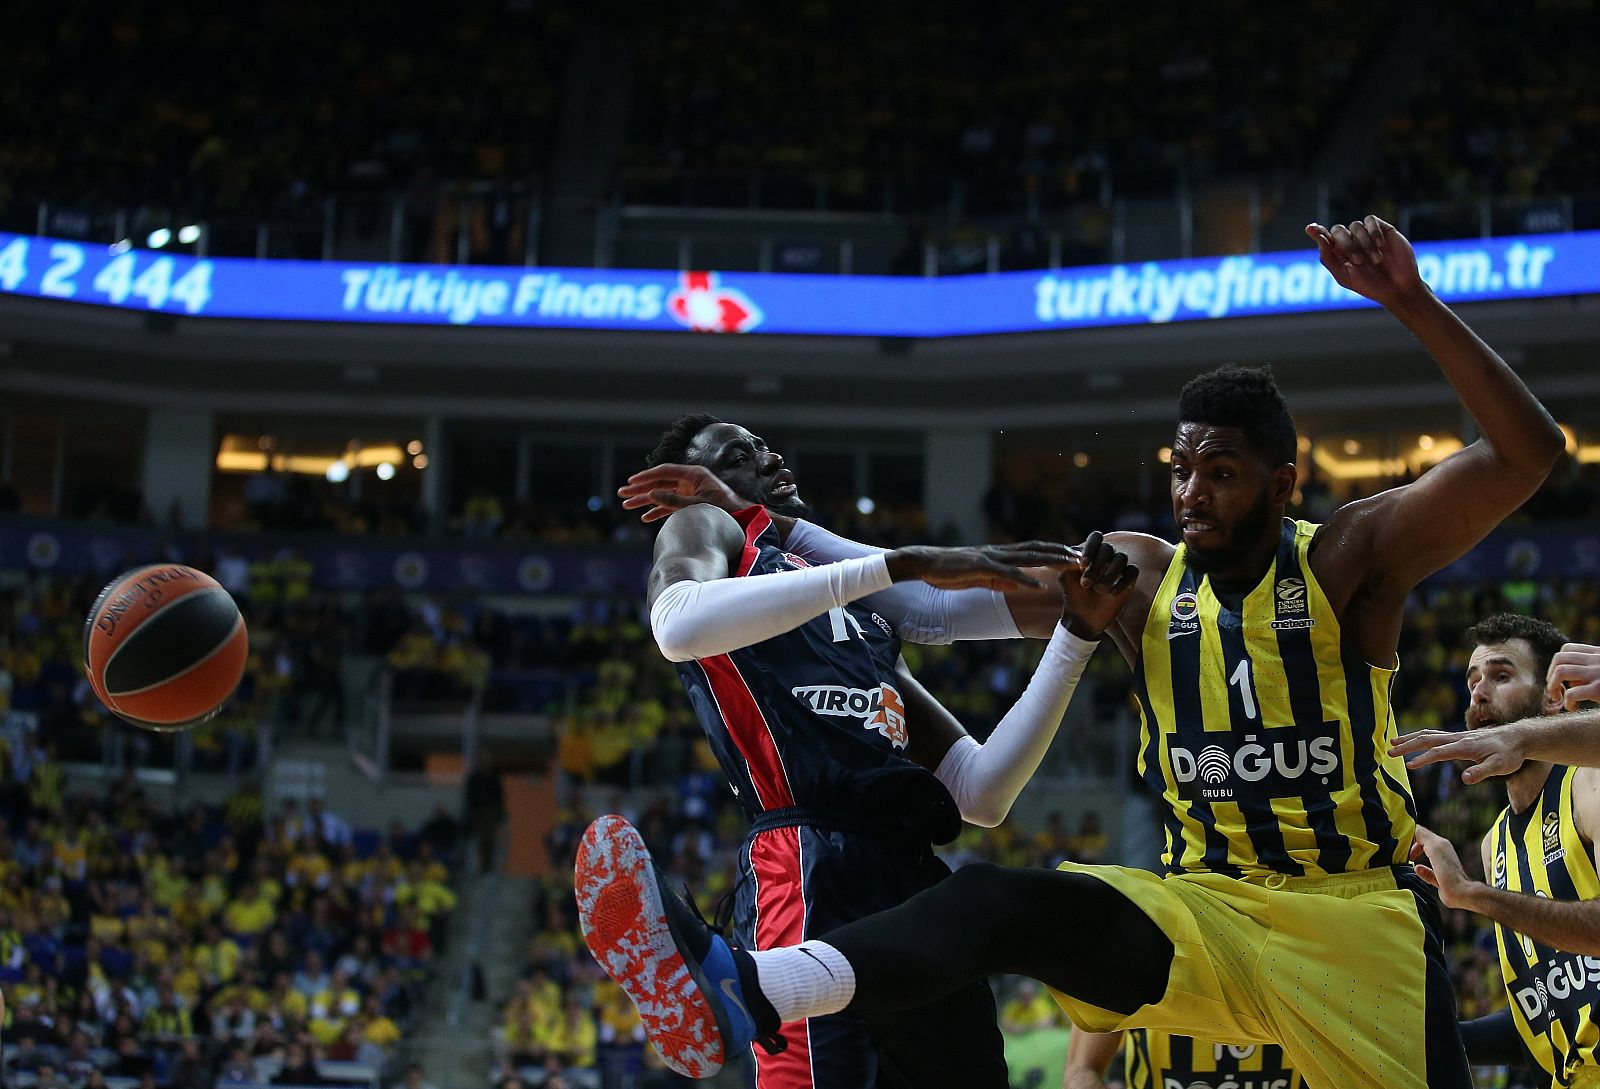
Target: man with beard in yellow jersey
(1263,652)
(1156,1060)
(1539,855)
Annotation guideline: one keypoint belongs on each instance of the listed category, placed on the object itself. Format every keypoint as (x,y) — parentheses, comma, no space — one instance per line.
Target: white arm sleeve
(701,619)
(919,612)
(986,779)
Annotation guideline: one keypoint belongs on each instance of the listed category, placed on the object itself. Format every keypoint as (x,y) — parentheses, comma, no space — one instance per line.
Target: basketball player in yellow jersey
(1263,650)
(1155,1060)
(1540,857)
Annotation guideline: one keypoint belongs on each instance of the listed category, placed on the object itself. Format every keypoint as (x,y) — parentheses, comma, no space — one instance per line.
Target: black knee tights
(1070,931)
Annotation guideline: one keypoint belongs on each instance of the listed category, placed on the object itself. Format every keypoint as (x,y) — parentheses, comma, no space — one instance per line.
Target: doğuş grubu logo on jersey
(1283,762)
(879,709)
(1565,978)
(704,305)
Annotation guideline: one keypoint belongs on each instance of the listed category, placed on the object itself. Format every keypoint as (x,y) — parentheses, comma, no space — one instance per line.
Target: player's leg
(701,999)
(774,906)
(953,1041)
(1068,930)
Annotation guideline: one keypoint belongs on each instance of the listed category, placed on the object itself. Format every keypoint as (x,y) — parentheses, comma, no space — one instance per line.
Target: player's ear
(1554,699)
(1281,487)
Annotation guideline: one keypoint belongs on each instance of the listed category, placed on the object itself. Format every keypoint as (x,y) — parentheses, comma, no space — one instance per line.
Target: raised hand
(1096,591)
(1370,258)
(1489,752)
(663,489)
(1574,675)
(1443,869)
(991,567)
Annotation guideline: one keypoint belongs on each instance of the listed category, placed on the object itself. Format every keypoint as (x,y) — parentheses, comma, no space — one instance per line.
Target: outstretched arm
(921,613)
(1494,751)
(1570,925)
(985,779)
(1415,530)
(697,611)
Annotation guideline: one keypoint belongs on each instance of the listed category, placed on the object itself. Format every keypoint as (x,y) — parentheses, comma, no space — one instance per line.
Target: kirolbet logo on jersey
(1285,762)
(1566,979)
(1290,610)
(879,708)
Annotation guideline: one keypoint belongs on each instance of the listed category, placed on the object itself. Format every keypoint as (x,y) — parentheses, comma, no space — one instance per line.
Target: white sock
(805,980)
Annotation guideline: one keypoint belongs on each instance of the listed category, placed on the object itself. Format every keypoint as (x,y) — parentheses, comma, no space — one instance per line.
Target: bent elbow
(674,643)
(986,816)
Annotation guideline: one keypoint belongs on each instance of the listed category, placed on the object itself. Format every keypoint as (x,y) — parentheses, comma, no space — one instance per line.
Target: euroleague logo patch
(1553,851)
(1289,606)
(1185,615)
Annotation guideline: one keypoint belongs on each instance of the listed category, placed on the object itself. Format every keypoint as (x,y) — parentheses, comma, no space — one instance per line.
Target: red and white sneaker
(694,989)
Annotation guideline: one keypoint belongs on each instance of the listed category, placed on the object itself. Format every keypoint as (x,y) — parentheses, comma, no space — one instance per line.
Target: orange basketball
(165,646)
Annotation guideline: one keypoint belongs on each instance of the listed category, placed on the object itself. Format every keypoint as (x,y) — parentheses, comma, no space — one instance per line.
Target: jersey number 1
(1247,695)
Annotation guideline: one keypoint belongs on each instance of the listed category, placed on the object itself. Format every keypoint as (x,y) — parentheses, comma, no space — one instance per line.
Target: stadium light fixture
(865,505)
(338,472)
(158,238)
(189,235)
(386,471)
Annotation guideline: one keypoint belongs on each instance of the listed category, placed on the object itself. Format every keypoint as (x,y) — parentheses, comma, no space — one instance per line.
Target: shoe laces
(721,924)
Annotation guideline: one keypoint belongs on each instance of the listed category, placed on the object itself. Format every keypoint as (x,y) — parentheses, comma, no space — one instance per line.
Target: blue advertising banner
(1151,292)
(337,563)
(362,563)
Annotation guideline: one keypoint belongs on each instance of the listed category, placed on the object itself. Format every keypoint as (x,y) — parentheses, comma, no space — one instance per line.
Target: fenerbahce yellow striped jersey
(1553,994)
(1267,742)
(1155,1060)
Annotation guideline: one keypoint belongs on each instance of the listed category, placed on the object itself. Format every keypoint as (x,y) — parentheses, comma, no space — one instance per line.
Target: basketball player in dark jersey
(846,767)
(1263,650)
(1543,893)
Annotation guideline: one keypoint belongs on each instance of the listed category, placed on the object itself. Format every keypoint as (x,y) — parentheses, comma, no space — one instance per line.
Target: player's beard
(1482,716)
(1243,536)
(792,506)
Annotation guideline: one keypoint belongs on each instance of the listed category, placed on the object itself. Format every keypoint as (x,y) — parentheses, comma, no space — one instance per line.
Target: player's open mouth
(783,485)
(1195,529)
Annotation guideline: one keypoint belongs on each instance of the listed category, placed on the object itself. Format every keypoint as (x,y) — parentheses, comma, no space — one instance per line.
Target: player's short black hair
(1246,398)
(1544,637)
(673,446)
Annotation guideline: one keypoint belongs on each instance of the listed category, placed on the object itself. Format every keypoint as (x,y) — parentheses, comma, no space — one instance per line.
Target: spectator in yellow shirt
(376,1027)
(309,868)
(522,1035)
(572,1036)
(169,1016)
(217,957)
(1030,1008)
(431,898)
(252,913)
(71,853)
(618,1018)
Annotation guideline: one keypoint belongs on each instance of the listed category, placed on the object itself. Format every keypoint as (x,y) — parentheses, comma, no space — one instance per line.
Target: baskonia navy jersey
(811,719)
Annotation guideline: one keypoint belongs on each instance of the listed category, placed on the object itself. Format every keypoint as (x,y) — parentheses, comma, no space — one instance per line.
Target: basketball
(164,646)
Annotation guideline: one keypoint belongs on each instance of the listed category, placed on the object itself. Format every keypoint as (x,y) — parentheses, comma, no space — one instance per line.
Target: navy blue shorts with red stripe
(801,881)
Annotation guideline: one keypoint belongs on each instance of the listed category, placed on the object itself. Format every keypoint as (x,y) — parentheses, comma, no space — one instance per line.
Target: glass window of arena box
(72,459)
(322,476)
